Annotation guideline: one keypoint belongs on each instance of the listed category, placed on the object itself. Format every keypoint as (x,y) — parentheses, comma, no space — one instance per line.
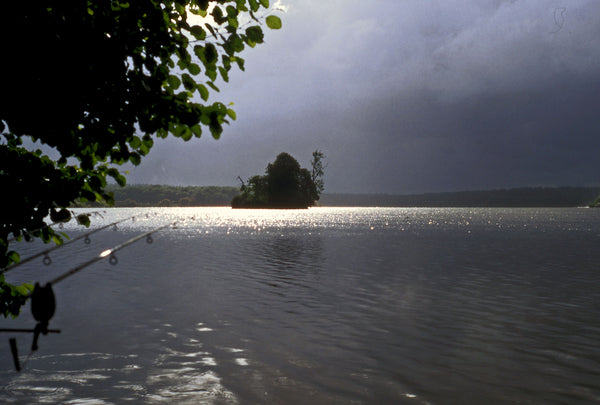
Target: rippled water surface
(320,306)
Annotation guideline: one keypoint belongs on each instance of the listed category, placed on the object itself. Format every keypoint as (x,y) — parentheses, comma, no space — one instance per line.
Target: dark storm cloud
(494,140)
(411,96)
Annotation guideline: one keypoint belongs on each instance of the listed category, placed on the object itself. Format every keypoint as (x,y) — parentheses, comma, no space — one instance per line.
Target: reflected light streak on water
(327,305)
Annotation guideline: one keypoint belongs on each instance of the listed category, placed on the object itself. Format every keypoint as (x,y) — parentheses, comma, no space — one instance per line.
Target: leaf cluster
(97,82)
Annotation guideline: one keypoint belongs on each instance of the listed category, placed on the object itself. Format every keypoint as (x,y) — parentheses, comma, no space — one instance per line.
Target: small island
(285,185)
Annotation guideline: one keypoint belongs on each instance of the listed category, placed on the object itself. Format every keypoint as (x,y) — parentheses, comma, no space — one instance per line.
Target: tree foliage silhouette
(97,82)
(285,185)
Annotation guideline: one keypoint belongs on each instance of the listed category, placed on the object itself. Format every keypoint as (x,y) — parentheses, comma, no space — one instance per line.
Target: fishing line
(43,302)
(109,252)
(48,261)
(60,223)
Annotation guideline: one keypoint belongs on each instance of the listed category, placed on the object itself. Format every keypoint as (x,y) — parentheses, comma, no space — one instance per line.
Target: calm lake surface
(320,306)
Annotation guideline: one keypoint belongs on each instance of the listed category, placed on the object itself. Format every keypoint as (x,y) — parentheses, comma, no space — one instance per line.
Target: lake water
(320,306)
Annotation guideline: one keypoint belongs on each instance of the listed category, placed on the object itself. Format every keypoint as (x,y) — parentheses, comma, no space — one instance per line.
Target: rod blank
(45,252)
(107,253)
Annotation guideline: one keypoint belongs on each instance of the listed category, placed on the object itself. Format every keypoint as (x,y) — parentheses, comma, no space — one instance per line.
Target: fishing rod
(48,261)
(108,252)
(43,301)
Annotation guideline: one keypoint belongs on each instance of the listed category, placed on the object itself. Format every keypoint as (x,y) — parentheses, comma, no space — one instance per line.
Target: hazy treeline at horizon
(146,195)
(514,197)
(155,195)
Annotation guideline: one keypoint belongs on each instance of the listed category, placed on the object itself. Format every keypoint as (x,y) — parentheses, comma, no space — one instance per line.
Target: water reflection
(288,259)
(175,367)
(329,306)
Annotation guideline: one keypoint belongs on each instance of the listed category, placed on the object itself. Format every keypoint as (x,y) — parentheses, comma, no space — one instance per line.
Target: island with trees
(285,185)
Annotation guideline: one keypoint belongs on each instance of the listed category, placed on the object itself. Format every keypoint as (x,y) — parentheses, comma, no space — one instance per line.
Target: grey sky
(409,96)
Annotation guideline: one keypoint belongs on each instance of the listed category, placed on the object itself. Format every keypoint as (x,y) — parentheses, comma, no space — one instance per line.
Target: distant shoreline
(510,198)
(205,196)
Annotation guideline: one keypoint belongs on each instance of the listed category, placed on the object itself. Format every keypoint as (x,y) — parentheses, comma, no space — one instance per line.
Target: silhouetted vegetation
(285,185)
(595,203)
(152,195)
(192,196)
(109,78)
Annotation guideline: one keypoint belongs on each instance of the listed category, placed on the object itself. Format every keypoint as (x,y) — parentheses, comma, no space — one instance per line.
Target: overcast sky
(409,96)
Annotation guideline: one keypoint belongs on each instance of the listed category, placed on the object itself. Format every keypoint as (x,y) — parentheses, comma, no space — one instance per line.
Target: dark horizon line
(385,193)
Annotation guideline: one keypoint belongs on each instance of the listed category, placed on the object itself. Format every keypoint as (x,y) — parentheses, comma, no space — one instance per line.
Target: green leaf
(254,6)
(265,3)
(211,53)
(180,8)
(241,5)
(147,143)
(188,82)
(194,69)
(63,215)
(224,74)
(135,159)
(210,29)
(205,119)
(198,32)
(235,43)
(212,86)
(217,14)
(185,132)
(240,62)
(231,114)
(22,290)
(118,177)
(144,149)
(233,22)
(215,129)
(231,11)
(203,92)
(83,219)
(273,22)
(199,51)
(88,195)
(203,4)
(197,130)
(255,34)
(57,240)
(13,256)
(174,82)
(135,142)
(182,64)
(29,286)
(212,75)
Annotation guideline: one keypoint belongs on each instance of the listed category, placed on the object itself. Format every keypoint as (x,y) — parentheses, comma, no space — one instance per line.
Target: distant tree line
(169,196)
(192,196)
(514,197)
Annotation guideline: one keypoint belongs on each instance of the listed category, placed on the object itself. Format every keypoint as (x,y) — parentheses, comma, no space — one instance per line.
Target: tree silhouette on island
(285,185)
